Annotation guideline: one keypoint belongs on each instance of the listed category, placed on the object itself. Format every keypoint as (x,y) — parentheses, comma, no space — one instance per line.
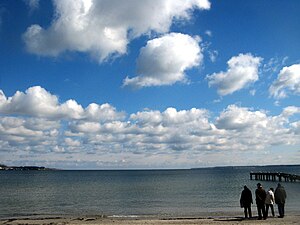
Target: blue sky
(152,84)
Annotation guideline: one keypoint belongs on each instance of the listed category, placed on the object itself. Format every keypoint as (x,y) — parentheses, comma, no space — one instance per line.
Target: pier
(270,176)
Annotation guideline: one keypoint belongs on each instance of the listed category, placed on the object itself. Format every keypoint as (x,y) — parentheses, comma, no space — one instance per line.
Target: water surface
(134,192)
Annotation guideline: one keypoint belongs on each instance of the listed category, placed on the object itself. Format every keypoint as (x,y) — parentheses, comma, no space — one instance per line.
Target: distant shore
(97,220)
(5,167)
(22,168)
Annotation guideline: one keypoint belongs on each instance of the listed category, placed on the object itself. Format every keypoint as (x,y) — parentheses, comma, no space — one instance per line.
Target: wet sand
(95,220)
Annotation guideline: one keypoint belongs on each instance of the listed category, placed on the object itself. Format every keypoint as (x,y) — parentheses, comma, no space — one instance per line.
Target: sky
(152,84)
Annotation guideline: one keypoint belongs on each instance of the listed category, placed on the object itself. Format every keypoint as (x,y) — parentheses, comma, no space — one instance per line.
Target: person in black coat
(260,195)
(280,197)
(246,201)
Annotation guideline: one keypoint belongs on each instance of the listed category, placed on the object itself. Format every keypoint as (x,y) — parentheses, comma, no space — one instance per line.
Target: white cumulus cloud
(35,101)
(38,102)
(239,118)
(103,28)
(256,128)
(287,82)
(18,131)
(164,60)
(242,71)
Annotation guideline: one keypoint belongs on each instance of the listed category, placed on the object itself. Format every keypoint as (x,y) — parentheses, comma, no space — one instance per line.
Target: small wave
(124,216)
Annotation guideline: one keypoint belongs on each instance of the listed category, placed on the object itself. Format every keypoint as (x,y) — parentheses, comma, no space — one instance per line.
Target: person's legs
(267,210)
(259,209)
(245,212)
(263,211)
(249,210)
(280,211)
(272,210)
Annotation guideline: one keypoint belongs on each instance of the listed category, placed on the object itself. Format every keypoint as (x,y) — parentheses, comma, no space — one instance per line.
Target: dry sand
(94,220)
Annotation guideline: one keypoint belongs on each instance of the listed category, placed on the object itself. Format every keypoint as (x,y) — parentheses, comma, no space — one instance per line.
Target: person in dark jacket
(280,196)
(260,195)
(246,201)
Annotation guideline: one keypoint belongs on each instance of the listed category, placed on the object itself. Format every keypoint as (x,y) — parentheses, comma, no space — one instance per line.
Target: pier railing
(271,176)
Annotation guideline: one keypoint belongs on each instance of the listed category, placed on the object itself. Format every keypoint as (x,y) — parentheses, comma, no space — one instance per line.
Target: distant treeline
(21,168)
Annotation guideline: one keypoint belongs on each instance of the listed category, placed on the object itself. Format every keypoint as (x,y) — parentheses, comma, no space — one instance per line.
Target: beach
(95,220)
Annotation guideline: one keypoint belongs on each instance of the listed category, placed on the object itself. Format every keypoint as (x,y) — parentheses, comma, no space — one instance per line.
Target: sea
(135,193)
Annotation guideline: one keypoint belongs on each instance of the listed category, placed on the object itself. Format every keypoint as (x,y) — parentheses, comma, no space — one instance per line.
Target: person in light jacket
(270,201)
(280,196)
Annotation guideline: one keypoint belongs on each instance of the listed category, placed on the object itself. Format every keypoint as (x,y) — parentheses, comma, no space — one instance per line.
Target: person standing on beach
(260,195)
(270,201)
(280,196)
(246,201)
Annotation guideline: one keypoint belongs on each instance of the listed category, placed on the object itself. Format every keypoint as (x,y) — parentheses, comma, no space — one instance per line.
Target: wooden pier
(270,176)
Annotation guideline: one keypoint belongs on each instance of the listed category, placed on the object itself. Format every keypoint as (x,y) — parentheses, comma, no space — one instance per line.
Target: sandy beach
(95,220)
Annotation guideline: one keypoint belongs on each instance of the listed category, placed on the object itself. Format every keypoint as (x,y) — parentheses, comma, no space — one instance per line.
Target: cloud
(238,118)
(104,28)
(38,102)
(72,142)
(274,64)
(290,111)
(242,71)
(256,128)
(164,60)
(213,54)
(252,92)
(99,135)
(32,4)
(287,82)
(25,132)
(208,33)
(296,127)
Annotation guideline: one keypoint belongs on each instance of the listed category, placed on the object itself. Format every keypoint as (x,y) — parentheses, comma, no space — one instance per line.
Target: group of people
(264,201)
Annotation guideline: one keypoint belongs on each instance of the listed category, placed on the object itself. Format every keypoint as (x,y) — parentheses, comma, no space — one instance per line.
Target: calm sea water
(136,192)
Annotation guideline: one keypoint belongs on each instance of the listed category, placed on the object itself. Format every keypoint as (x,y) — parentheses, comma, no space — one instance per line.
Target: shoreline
(292,218)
